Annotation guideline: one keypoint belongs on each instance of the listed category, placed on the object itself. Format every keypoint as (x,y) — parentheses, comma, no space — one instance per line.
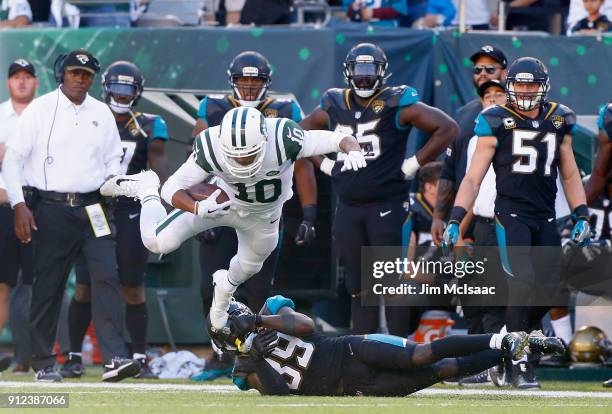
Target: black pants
(63,232)
(376,224)
(533,273)
(484,317)
(14,255)
(217,247)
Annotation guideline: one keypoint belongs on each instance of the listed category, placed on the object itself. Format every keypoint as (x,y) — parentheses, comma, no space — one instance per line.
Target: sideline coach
(69,144)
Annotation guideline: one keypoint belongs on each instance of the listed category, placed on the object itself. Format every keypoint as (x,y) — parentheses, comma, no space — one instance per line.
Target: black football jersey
(527,156)
(601,217)
(135,135)
(213,109)
(605,120)
(383,140)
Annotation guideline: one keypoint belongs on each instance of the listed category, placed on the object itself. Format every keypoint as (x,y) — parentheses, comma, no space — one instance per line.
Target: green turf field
(164,396)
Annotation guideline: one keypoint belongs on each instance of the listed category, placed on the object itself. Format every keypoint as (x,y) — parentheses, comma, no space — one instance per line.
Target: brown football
(202,191)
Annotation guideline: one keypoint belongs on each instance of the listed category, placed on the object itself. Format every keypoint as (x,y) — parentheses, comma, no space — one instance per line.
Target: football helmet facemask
(122,80)
(249,65)
(243,141)
(225,339)
(527,70)
(364,69)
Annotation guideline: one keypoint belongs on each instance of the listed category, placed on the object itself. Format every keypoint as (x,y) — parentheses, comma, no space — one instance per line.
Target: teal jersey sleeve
(601,120)
(275,303)
(482,128)
(241,383)
(296,112)
(409,97)
(160,129)
(202,110)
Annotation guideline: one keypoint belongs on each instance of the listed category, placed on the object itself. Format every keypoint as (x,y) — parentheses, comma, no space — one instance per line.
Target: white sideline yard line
(210,388)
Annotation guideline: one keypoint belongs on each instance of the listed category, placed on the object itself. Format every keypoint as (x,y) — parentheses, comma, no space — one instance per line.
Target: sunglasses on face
(490,69)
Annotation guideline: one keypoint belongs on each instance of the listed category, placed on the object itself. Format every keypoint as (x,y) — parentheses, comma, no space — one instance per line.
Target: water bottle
(88,350)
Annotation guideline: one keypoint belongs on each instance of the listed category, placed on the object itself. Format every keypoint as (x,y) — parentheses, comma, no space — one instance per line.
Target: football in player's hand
(202,191)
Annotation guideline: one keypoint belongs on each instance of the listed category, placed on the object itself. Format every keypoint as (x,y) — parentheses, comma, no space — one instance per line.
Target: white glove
(326,166)
(354,160)
(409,167)
(209,208)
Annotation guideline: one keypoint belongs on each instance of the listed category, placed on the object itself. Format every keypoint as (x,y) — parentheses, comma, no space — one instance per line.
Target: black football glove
(244,324)
(306,232)
(263,344)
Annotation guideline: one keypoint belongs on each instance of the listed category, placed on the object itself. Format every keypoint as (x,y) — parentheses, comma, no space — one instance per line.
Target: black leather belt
(71,199)
(482,219)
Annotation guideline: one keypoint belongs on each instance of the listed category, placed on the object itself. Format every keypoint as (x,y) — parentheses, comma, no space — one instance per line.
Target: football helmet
(243,141)
(365,66)
(122,78)
(225,339)
(250,64)
(590,345)
(527,70)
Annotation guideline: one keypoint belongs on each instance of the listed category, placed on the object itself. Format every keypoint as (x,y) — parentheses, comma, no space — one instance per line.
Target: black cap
(493,53)
(21,64)
(81,59)
(486,85)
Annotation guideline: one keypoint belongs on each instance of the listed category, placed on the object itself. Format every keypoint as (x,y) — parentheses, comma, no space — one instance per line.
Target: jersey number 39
(288,350)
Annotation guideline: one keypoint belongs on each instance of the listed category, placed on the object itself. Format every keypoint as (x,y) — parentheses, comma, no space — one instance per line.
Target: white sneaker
(130,185)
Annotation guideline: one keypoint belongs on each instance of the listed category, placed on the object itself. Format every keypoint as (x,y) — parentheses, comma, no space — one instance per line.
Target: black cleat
(48,374)
(523,376)
(73,367)
(513,345)
(608,383)
(540,344)
(480,379)
(556,361)
(501,374)
(119,369)
(145,370)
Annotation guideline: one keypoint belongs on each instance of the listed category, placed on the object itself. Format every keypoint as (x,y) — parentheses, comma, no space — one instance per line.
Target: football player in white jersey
(252,158)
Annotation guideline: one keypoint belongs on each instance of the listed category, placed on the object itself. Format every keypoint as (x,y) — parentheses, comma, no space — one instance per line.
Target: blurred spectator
(379,12)
(439,13)
(262,12)
(15,13)
(595,22)
(40,10)
(577,12)
(478,15)
(83,13)
(518,20)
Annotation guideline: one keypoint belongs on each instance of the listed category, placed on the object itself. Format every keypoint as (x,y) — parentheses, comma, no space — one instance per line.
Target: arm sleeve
(272,382)
(202,109)
(12,168)
(320,142)
(296,112)
(160,129)
(482,128)
(275,303)
(114,151)
(187,175)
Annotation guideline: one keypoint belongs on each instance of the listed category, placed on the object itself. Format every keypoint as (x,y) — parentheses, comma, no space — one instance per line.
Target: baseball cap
(486,85)
(21,64)
(81,59)
(493,53)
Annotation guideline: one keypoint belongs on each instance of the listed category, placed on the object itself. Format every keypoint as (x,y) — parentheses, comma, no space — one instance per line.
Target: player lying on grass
(279,353)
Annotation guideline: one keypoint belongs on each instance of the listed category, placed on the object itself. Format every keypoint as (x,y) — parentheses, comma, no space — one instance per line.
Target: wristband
(326,166)
(309,213)
(581,212)
(457,214)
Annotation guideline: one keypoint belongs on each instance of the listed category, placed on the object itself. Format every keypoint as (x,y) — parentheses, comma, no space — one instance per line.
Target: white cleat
(218,310)
(130,185)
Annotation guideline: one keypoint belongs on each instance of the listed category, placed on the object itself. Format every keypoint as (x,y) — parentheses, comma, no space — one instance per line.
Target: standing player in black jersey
(143,138)
(249,77)
(602,169)
(279,353)
(371,208)
(527,140)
